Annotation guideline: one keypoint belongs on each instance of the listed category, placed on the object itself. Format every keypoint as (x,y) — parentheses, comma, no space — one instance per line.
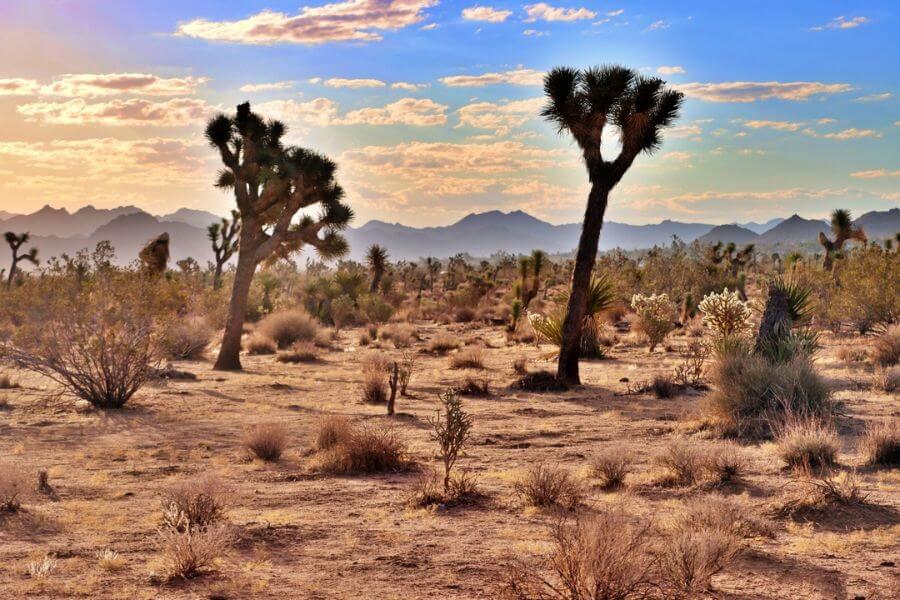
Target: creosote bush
(547,486)
(362,449)
(259,344)
(331,431)
(190,552)
(880,444)
(683,462)
(443,342)
(196,503)
(186,338)
(266,441)
(469,358)
(299,352)
(288,326)
(612,467)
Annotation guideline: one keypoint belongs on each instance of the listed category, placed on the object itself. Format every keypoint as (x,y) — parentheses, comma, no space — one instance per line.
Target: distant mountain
(189,216)
(760,227)
(880,224)
(729,233)
(50,221)
(793,230)
(6,215)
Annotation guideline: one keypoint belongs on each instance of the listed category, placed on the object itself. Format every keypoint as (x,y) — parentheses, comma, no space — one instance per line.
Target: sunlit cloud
(751,91)
(353,83)
(485,13)
(267,87)
(779,125)
(323,112)
(499,117)
(544,12)
(171,113)
(656,25)
(875,97)
(853,133)
(91,85)
(875,174)
(515,77)
(347,20)
(842,23)
(673,70)
(405,85)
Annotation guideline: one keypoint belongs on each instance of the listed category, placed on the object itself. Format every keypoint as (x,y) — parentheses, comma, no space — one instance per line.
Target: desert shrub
(401,334)
(724,463)
(655,316)
(663,386)
(196,503)
(187,338)
(288,326)
(259,344)
(364,338)
(612,467)
(683,462)
(331,431)
(7,383)
(365,450)
(374,386)
(189,552)
(726,314)
(266,441)
(540,381)
(603,556)
(886,379)
(450,429)
(469,358)
(690,557)
(325,339)
(886,347)
(547,486)
(807,443)
(406,366)
(109,560)
(690,372)
(474,386)
(859,293)
(817,494)
(443,342)
(852,354)
(429,490)
(375,309)
(880,443)
(299,352)
(14,486)
(464,314)
(38,569)
(520,365)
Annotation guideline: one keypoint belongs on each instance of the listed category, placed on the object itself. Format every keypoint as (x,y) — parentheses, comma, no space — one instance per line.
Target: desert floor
(311,536)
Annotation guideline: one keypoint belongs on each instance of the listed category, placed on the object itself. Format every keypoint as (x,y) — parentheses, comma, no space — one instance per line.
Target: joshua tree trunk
(775,322)
(230,354)
(570,349)
(217,276)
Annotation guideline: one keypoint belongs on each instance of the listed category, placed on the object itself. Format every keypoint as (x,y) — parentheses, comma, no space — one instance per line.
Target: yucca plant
(783,331)
(549,327)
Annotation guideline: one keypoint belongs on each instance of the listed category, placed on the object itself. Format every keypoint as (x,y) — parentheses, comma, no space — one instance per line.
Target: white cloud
(91,85)
(842,23)
(429,27)
(534,33)
(337,82)
(172,113)
(19,87)
(499,117)
(751,91)
(667,70)
(875,174)
(265,87)
(485,13)
(518,76)
(344,20)
(656,25)
(875,97)
(853,133)
(544,12)
(405,85)
(323,112)
(779,125)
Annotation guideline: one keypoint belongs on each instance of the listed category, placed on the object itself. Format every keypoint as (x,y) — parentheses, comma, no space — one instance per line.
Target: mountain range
(128,228)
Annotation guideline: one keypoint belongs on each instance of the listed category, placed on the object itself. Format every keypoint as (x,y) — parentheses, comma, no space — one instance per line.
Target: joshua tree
(737,261)
(224,238)
(433,266)
(15,243)
(582,103)
(843,229)
(533,264)
(377,258)
(154,256)
(271,184)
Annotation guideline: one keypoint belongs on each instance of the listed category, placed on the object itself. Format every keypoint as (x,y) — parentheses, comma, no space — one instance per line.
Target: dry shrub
(14,486)
(852,354)
(196,503)
(401,334)
(540,381)
(886,348)
(600,557)
(880,444)
(374,387)
(259,344)
(724,463)
(298,353)
(109,560)
(807,443)
(7,383)
(612,467)
(429,490)
(266,441)
(683,463)
(470,358)
(520,365)
(475,387)
(886,379)
(331,431)
(364,450)
(690,557)
(288,326)
(663,387)
(364,338)
(325,339)
(817,495)
(547,486)
(38,569)
(725,514)
(464,314)
(188,553)
(187,338)
(443,342)
(691,371)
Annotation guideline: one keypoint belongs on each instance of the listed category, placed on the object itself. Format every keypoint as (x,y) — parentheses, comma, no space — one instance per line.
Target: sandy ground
(318,537)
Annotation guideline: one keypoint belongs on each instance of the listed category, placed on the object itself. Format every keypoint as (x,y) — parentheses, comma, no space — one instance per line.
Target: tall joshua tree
(15,244)
(376,258)
(271,184)
(582,103)
(224,239)
(843,229)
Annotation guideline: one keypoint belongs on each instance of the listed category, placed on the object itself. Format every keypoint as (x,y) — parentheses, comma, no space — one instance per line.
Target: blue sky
(431,107)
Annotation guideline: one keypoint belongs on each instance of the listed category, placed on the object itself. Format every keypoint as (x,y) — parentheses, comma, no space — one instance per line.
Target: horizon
(431,109)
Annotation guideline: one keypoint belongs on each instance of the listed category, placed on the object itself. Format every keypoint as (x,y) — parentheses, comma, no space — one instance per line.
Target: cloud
(826,120)
(429,27)
(485,13)
(875,97)
(518,76)
(779,125)
(656,25)
(875,174)
(323,112)
(666,70)
(544,12)
(172,113)
(683,158)
(499,117)
(842,23)
(534,33)
(337,82)
(91,85)
(320,111)
(853,133)
(265,87)
(345,20)
(751,91)
(405,85)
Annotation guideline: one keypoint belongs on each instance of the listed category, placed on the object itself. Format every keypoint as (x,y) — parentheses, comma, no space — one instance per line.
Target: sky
(431,109)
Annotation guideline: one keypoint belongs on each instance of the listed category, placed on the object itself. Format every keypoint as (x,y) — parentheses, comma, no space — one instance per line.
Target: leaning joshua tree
(583,103)
(272,183)
(844,230)
(224,239)
(376,258)
(15,243)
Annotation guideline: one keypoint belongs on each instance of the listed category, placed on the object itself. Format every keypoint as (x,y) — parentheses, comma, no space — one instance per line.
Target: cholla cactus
(726,314)
(656,316)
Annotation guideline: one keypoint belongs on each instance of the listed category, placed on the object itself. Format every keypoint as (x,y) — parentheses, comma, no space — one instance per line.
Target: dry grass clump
(663,387)
(470,358)
(259,344)
(364,338)
(401,334)
(547,486)
(362,449)
(464,314)
(288,326)
(690,557)
(7,383)
(807,443)
(266,441)
(724,463)
(880,444)
(196,503)
(13,487)
(374,386)
(612,467)
(886,348)
(188,553)
(852,354)
(476,387)
(443,342)
(540,381)
(298,353)
(332,430)
(520,365)
(186,339)
(816,495)
(886,379)
(109,560)
(38,569)
(684,463)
